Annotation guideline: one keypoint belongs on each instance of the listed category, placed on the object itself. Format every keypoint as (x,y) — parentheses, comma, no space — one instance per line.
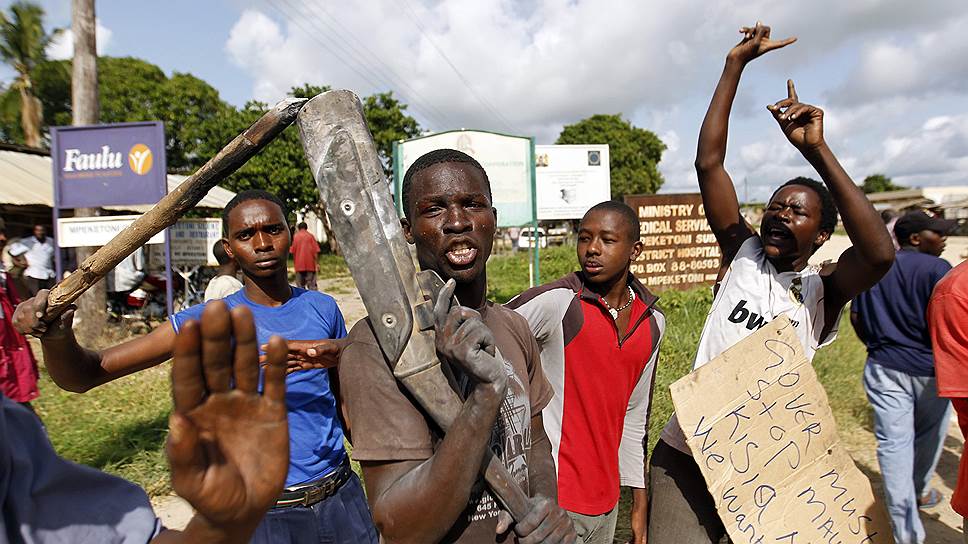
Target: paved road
(955,251)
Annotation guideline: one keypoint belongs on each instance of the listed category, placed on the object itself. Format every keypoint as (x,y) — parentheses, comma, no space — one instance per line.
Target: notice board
(679,249)
(760,427)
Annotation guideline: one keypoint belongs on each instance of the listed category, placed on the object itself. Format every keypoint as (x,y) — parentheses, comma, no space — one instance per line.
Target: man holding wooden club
(323,499)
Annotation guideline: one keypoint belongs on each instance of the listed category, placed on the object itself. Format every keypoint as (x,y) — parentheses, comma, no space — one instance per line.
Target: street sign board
(680,250)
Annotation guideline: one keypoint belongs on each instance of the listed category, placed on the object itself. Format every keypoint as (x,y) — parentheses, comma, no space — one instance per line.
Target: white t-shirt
(40,258)
(751,294)
(221,287)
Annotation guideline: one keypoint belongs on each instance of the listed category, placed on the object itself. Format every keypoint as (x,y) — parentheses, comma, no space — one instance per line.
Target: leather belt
(313,492)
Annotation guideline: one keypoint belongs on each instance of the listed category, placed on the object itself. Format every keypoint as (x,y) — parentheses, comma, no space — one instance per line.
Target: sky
(891,75)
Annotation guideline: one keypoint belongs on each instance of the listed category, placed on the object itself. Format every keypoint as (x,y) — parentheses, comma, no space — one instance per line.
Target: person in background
(910,420)
(126,277)
(304,251)
(890,218)
(225,282)
(18,367)
(39,273)
(227,449)
(948,324)
(15,263)
(599,332)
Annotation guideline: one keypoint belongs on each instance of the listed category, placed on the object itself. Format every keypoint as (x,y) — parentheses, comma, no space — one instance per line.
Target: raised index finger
(442,304)
(791,91)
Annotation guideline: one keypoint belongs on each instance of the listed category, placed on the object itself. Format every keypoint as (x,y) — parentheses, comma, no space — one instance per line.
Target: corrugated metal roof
(27,179)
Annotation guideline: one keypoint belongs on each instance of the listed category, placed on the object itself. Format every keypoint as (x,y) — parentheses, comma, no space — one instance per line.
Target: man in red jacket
(304,251)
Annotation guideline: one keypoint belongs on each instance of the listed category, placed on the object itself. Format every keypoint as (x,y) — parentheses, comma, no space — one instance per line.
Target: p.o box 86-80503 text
(760,428)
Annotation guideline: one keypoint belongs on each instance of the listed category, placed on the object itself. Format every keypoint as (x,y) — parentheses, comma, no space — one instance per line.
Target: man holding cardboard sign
(764,274)
(760,426)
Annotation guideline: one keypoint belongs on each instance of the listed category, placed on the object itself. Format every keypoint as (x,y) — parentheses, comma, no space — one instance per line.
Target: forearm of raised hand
(441,484)
(871,241)
(711,152)
(718,195)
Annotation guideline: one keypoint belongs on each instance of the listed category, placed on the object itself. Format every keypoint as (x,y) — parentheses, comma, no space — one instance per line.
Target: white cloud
(62,46)
(541,64)
(919,66)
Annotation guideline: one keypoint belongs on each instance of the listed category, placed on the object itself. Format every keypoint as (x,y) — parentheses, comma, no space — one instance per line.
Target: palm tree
(22,44)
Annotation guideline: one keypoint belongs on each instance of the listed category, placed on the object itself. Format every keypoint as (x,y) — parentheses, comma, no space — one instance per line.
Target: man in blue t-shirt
(323,499)
(910,420)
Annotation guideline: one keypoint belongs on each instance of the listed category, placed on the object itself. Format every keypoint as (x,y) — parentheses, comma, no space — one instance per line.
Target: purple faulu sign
(108,165)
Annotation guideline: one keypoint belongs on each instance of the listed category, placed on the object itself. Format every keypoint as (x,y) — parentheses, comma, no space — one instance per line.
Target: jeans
(342,518)
(681,510)
(910,423)
(306,280)
(598,529)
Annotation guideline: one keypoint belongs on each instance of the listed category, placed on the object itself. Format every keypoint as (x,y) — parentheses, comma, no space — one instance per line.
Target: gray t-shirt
(46,499)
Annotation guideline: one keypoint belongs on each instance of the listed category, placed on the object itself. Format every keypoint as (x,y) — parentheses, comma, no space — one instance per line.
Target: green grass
(120,427)
(331,266)
(507,275)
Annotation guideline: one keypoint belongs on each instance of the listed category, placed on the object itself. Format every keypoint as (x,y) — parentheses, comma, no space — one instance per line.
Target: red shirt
(598,419)
(304,250)
(948,322)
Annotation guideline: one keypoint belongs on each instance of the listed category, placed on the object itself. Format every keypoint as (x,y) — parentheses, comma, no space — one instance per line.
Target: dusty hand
(756,41)
(464,340)
(544,522)
(26,318)
(801,123)
(228,448)
(309,354)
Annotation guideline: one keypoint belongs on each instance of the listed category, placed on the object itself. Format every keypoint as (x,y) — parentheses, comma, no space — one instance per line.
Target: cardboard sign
(680,250)
(759,425)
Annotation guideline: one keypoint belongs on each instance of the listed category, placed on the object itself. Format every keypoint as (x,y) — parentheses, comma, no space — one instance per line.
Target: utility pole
(92,306)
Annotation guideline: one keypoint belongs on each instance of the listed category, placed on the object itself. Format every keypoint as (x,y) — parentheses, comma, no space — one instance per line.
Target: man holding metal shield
(424,486)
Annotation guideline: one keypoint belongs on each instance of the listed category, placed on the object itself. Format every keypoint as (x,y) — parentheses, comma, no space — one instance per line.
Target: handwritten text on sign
(759,425)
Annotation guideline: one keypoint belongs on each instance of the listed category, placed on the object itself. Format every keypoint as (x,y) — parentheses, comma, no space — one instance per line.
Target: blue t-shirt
(315,434)
(893,313)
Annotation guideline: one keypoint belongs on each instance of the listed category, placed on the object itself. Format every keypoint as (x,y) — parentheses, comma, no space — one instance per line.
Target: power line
(346,57)
(481,99)
(396,78)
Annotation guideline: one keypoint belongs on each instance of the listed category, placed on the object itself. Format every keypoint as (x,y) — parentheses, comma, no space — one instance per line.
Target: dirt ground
(942,524)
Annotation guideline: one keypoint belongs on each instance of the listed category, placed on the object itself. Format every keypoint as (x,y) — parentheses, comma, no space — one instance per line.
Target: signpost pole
(58,258)
(169,284)
(536,280)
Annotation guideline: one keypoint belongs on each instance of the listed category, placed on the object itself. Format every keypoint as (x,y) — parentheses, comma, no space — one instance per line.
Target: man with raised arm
(765,274)
(425,487)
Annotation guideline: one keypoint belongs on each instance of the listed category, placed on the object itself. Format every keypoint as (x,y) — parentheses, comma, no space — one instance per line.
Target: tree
(135,90)
(388,123)
(634,153)
(879,183)
(22,44)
